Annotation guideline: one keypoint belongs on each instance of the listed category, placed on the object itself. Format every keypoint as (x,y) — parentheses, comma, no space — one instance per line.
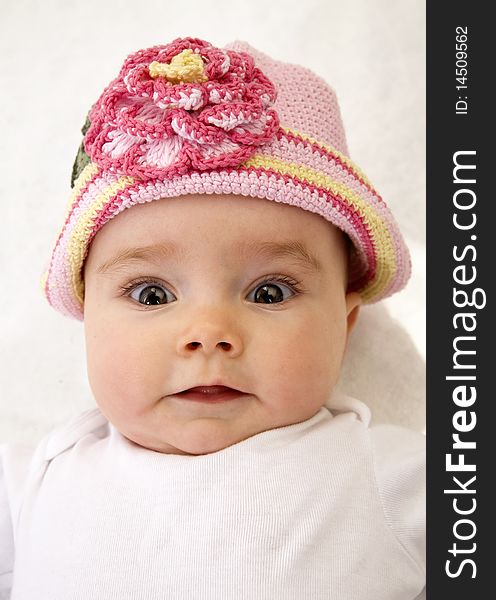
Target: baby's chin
(203,436)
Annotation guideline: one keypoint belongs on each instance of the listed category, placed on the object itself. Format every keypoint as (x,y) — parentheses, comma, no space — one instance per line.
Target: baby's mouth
(210,393)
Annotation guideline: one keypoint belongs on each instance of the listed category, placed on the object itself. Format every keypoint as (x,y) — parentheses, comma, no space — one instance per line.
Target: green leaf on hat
(82,159)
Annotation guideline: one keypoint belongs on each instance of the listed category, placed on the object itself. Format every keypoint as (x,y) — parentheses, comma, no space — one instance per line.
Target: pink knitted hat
(190,118)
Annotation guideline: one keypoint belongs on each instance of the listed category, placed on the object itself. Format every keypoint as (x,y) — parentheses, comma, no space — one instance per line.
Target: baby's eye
(150,294)
(270,292)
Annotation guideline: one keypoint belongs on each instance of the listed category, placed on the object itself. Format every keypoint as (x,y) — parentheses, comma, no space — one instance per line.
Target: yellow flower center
(185,67)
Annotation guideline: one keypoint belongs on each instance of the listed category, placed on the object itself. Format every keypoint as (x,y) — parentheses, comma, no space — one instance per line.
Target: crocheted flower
(179,107)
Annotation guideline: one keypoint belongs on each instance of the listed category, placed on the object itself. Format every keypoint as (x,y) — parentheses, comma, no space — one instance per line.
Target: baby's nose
(210,339)
(227,346)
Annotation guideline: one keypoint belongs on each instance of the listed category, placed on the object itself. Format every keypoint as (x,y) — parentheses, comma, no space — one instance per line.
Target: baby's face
(193,291)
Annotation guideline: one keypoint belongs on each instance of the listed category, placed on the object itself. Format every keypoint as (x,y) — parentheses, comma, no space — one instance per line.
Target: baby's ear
(353,302)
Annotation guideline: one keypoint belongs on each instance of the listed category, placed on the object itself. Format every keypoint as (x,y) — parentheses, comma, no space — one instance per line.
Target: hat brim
(293,169)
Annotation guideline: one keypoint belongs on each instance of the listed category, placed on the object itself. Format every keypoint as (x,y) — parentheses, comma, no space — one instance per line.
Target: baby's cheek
(301,361)
(116,366)
(318,348)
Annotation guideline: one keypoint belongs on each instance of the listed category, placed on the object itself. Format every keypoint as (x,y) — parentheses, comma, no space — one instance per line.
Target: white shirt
(324,509)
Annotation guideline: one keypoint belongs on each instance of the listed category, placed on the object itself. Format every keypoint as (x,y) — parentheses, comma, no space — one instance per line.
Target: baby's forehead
(256,218)
(225,226)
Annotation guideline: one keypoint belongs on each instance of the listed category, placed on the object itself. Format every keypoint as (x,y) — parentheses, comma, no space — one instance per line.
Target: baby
(218,243)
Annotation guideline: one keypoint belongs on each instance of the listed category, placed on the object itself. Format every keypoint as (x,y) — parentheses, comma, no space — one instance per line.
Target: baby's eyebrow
(292,249)
(284,249)
(127,256)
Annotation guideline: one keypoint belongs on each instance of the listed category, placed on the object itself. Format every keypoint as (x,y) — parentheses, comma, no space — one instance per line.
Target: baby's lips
(211,394)
(211,389)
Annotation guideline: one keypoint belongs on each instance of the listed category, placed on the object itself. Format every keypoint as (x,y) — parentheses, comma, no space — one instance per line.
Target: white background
(56,58)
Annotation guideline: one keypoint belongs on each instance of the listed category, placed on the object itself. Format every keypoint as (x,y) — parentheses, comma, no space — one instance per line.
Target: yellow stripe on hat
(83,228)
(351,165)
(85,176)
(89,171)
